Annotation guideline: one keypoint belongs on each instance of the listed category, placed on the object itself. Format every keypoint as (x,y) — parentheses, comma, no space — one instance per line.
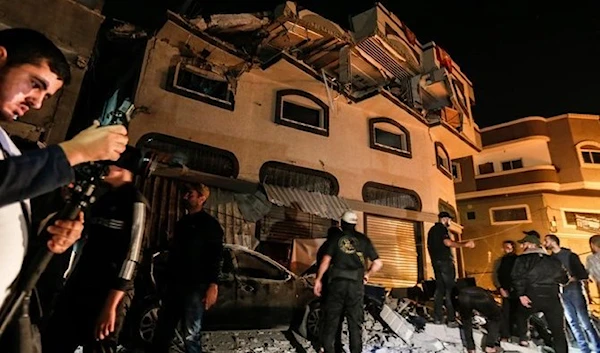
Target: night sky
(524,58)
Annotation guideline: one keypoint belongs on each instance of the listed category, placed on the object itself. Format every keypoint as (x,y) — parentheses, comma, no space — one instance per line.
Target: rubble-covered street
(398,330)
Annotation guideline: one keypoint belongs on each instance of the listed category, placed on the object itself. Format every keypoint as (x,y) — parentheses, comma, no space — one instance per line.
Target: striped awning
(325,206)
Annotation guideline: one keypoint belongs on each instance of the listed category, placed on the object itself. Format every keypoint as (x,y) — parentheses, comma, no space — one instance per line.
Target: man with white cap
(345,261)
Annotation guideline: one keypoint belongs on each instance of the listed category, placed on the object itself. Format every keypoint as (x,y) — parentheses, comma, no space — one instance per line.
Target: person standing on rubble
(193,267)
(537,278)
(344,262)
(332,234)
(510,304)
(439,243)
(573,299)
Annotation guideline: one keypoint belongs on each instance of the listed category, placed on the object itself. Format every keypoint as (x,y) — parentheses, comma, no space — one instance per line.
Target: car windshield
(250,265)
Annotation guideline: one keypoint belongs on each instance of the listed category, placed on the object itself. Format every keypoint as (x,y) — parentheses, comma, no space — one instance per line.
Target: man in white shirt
(32,69)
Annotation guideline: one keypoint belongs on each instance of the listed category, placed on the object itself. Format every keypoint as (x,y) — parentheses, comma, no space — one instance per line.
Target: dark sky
(524,58)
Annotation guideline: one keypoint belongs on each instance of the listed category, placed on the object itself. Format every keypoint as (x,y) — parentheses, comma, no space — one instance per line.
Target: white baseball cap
(350,217)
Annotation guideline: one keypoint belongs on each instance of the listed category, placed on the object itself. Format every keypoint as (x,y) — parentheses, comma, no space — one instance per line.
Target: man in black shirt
(91,310)
(510,304)
(193,270)
(344,262)
(332,234)
(439,244)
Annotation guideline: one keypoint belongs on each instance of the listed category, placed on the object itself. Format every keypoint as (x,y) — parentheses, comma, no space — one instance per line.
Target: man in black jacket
(194,266)
(510,303)
(536,280)
(574,302)
(32,69)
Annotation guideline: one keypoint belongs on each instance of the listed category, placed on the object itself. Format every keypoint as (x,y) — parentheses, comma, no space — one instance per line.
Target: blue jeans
(578,317)
(187,309)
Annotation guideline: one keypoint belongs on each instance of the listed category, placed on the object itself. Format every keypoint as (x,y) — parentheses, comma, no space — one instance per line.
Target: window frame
(458,178)
(173,87)
(511,163)
(497,208)
(446,171)
(564,212)
(580,150)
(279,119)
(373,122)
(262,258)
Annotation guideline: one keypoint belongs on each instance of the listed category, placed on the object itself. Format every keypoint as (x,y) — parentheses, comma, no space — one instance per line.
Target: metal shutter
(395,242)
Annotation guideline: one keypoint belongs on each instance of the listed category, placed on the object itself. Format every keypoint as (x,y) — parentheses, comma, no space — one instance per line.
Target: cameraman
(32,69)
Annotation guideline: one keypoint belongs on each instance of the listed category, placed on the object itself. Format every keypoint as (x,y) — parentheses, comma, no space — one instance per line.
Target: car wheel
(147,324)
(313,321)
(147,327)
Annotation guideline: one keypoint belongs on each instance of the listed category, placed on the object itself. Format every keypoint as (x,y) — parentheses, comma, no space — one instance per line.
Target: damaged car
(255,292)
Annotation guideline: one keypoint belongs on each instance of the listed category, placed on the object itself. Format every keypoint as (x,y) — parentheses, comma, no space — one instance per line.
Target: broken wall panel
(73,28)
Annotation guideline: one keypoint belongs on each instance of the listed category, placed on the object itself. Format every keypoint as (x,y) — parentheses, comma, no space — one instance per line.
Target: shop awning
(325,206)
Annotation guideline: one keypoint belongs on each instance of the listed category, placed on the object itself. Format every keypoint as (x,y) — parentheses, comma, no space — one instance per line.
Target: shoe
(452,324)
(437,322)
(524,343)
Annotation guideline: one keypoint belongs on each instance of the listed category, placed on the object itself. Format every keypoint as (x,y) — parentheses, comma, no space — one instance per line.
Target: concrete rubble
(399,328)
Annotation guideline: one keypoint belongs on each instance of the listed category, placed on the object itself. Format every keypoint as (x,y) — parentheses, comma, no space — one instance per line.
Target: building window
(195,156)
(486,168)
(456,172)
(389,136)
(291,176)
(391,196)
(571,217)
(589,153)
(510,214)
(443,160)
(471,215)
(514,164)
(302,111)
(200,84)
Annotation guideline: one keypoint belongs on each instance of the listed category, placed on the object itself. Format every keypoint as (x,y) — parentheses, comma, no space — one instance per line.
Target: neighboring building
(533,173)
(72,25)
(292,119)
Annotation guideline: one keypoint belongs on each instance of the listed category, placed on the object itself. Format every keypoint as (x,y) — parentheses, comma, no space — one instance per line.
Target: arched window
(389,136)
(391,196)
(443,159)
(589,153)
(196,156)
(303,111)
(293,176)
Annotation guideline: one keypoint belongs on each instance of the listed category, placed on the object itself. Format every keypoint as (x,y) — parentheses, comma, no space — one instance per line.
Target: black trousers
(445,281)
(550,305)
(476,298)
(344,299)
(74,320)
(338,347)
(510,310)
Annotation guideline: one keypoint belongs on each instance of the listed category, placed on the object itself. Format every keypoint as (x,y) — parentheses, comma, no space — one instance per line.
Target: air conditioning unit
(387,43)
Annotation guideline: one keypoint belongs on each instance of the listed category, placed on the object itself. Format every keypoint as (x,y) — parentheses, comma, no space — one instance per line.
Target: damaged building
(292,119)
